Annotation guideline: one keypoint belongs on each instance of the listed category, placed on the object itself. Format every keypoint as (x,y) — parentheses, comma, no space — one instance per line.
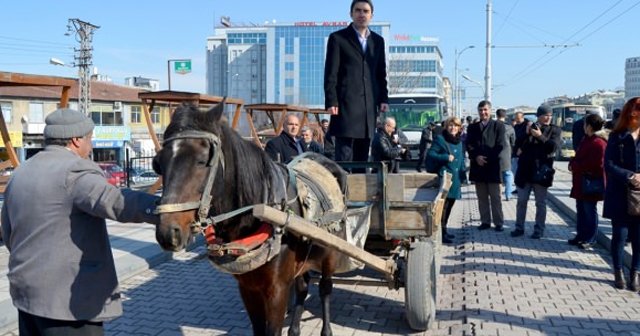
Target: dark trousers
(446,211)
(587,221)
(619,236)
(350,149)
(31,325)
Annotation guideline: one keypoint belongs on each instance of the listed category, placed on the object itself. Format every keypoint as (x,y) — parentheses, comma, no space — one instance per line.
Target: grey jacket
(510,142)
(61,266)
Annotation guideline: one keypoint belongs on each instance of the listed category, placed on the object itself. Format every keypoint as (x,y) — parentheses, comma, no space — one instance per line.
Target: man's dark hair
(354,2)
(501,113)
(56,142)
(484,103)
(324,121)
(469,119)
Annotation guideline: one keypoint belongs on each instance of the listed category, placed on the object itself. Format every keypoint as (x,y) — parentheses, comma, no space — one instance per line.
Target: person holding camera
(536,154)
(386,145)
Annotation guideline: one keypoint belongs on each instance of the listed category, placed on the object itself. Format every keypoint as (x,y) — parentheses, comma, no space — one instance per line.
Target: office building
(632,77)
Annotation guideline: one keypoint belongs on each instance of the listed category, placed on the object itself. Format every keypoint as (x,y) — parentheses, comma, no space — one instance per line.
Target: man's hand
(481,160)
(384,108)
(536,132)
(333,110)
(635,180)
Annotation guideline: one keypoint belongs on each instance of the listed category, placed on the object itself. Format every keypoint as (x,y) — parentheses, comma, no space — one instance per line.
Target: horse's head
(190,161)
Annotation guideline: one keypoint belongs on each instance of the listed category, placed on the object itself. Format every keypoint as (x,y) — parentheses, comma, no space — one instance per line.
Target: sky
(530,64)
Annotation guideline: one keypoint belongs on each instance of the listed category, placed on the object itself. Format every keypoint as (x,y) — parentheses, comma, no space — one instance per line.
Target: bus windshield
(414,113)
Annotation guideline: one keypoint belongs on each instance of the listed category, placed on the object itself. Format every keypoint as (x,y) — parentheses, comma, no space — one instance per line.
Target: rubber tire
(420,285)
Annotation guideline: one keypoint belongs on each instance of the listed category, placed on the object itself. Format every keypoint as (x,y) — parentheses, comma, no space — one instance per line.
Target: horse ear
(215,113)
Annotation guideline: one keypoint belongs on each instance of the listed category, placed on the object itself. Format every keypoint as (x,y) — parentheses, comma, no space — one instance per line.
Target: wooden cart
(406,210)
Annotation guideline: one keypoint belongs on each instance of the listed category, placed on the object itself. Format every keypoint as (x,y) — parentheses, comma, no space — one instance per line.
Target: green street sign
(182,67)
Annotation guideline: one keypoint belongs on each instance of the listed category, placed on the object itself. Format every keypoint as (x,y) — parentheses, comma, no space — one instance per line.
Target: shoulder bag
(592,186)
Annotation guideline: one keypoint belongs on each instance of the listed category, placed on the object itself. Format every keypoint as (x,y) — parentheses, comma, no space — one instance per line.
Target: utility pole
(487,71)
(84,35)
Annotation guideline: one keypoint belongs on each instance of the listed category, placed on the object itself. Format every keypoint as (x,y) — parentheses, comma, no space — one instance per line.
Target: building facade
(632,77)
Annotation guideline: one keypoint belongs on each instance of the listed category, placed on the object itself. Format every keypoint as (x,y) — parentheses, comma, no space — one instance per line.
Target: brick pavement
(490,284)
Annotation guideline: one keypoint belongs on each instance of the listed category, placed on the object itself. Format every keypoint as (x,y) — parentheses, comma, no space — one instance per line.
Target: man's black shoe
(574,241)
(484,226)
(517,233)
(499,228)
(536,235)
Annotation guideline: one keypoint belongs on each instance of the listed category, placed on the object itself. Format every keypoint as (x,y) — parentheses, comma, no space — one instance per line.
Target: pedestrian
(355,83)
(505,155)
(622,165)
(285,146)
(62,277)
(426,138)
(386,145)
(328,140)
(536,153)
(308,143)
(612,123)
(520,129)
(447,151)
(588,165)
(485,142)
(577,130)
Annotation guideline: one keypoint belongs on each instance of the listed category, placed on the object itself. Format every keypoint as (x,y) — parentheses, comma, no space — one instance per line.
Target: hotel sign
(321,24)
(413,38)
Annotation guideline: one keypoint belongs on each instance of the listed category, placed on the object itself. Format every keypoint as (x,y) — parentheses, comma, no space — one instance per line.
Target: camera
(535,126)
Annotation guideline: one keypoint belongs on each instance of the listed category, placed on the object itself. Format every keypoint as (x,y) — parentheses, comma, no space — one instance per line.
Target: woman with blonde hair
(447,153)
(622,164)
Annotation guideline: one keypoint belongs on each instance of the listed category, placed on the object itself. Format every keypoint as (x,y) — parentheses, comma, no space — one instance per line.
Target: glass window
(288,66)
(105,116)
(7,108)
(136,114)
(155,115)
(36,112)
(288,82)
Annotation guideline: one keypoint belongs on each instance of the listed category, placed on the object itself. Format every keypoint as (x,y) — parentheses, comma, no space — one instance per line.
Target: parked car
(146,177)
(113,172)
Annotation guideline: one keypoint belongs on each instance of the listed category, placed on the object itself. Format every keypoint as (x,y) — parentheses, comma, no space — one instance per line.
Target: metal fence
(139,169)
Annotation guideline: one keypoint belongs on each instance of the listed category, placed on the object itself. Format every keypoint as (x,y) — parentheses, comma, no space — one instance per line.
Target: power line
(35,41)
(535,66)
(506,18)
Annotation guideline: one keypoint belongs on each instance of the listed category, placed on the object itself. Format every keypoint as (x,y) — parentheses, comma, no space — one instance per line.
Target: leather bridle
(215,161)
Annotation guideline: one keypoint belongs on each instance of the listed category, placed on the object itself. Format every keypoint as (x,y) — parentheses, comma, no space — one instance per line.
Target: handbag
(592,186)
(543,175)
(633,201)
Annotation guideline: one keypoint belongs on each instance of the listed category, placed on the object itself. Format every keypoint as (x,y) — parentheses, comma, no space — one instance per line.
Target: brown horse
(209,170)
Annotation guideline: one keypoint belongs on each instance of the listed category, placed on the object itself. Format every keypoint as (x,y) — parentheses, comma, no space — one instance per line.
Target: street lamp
(456,84)
(476,83)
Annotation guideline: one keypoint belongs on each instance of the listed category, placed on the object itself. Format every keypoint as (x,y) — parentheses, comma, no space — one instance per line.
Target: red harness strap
(242,245)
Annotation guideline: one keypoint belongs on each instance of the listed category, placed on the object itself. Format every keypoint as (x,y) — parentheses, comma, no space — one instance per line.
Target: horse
(208,169)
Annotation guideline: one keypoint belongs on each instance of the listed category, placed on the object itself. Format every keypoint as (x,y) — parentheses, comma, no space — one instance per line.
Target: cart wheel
(420,285)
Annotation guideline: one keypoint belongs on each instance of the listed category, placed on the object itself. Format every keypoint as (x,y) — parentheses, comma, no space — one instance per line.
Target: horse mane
(246,166)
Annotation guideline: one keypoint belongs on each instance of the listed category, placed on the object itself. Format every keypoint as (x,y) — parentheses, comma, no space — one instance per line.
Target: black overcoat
(488,141)
(620,163)
(355,82)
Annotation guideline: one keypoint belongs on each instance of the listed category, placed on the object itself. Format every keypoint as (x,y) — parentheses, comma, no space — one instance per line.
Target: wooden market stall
(19,79)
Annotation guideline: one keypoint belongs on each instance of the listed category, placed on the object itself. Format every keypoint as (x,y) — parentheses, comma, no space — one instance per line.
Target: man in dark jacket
(307,142)
(536,154)
(355,84)
(329,140)
(429,133)
(386,145)
(285,146)
(485,142)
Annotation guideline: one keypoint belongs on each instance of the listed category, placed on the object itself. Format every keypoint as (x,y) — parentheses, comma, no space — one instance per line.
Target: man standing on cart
(355,84)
